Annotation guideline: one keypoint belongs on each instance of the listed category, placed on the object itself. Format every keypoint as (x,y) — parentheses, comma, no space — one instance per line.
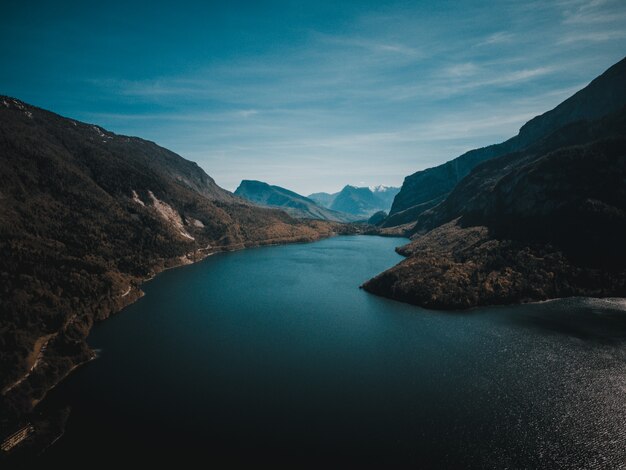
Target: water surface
(275,355)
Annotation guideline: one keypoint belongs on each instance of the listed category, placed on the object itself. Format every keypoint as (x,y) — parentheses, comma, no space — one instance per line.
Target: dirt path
(32,360)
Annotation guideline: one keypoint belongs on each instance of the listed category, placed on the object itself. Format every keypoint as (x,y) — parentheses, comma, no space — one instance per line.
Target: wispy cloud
(382,45)
(379,91)
(466,69)
(594,36)
(594,12)
(501,37)
(592,21)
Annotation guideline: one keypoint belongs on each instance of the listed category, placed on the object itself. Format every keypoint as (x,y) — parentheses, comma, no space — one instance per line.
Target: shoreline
(37,401)
(133,294)
(139,293)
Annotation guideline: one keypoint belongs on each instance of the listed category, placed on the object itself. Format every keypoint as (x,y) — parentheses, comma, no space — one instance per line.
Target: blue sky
(308,95)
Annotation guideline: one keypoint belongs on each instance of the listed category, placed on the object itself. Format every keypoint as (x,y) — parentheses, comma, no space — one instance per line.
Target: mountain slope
(474,197)
(294,204)
(358,201)
(543,223)
(385,194)
(323,199)
(425,189)
(85,216)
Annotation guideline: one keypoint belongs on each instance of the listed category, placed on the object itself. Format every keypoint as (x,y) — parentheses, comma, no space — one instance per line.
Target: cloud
(501,37)
(246,113)
(594,36)
(592,21)
(594,12)
(384,94)
(462,70)
(381,45)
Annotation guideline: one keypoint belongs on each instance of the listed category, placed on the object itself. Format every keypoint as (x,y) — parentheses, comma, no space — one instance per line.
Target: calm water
(274,354)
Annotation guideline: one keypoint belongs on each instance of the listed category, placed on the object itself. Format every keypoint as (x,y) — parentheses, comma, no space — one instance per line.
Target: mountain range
(359,201)
(541,216)
(86,216)
(294,204)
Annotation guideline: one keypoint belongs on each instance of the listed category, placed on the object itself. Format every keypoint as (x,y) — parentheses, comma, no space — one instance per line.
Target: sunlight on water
(275,354)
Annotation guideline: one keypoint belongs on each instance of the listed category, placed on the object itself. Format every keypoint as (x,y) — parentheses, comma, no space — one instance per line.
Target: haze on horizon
(313,95)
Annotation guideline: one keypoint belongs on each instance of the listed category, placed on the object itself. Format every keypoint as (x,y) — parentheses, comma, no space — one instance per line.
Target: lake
(275,355)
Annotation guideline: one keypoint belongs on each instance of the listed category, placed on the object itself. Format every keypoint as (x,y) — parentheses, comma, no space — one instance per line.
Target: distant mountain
(427,188)
(359,201)
(86,216)
(294,204)
(545,222)
(386,194)
(323,199)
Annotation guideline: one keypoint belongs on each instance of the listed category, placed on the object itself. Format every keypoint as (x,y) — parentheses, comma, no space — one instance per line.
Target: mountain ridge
(426,188)
(87,216)
(361,201)
(294,204)
(542,223)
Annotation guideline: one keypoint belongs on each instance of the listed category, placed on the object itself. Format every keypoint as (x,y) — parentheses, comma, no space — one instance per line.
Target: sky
(309,95)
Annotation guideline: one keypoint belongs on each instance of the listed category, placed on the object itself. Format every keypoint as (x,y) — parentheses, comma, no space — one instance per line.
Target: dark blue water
(275,355)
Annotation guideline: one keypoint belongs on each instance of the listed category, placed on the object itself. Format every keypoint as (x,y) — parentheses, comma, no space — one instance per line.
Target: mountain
(323,199)
(86,216)
(358,201)
(362,202)
(386,194)
(483,194)
(378,218)
(546,222)
(294,204)
(427,188)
